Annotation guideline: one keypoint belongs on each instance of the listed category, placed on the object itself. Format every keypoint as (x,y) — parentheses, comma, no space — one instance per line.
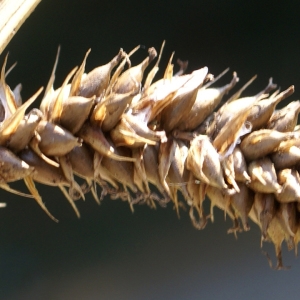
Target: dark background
(111,253)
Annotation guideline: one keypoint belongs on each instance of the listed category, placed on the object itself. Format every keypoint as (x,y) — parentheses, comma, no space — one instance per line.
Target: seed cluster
(177,134)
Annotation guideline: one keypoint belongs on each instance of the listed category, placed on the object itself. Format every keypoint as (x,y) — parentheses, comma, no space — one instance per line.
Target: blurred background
(111,253)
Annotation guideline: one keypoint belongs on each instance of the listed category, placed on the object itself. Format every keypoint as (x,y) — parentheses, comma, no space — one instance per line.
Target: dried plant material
(242,202)
(12,167)
(13,15)
(286,155)
(263,211)
(217,198)
(262,111)
(203,161)
(47,174)
(263,176)
(183,101)
(108,113)
(276,236)
(123,133)
(285,119)
(96,82)
(165,157)
(75,111)
(234,110)
(96,139)
(25,131)
(262,142)
(206,101)
(130,80)
(178,174)
(197,193)
(290,182)
(10,124)
(55,140)
(240,166)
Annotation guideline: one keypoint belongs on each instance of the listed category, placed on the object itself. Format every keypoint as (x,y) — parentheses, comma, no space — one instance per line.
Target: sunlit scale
(124,131)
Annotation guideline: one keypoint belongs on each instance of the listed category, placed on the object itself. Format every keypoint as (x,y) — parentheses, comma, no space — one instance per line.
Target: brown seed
(290,182)
(96,81)
(285,157)
(206,101)
(11,123)
(75,112)
(263,176)
(233,110)
(228,168)
(45,173)
(25,131)
(159,95)
(12,168)
(262,142)
(285,119)
(96,139)
(184,99)
(130,80)
(262,111)
(55,140)
(240,167)
(121,171)
(203,160)
(132,131)
(108,112)
(81,159)
(276,236)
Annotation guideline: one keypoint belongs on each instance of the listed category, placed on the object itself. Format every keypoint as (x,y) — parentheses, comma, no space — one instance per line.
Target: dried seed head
(125,136)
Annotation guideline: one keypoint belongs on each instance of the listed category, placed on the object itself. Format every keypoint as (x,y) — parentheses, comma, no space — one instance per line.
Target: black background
(111,253)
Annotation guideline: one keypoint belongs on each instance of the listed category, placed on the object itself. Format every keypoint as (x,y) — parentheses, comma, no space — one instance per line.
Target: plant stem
(13,14)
